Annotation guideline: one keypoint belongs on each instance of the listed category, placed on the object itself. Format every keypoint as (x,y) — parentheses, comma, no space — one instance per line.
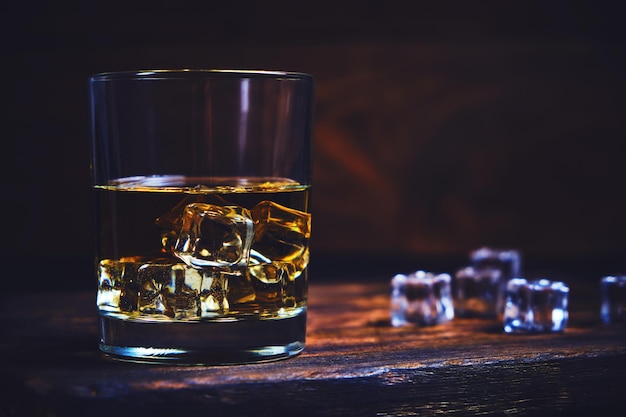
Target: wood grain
(355,363)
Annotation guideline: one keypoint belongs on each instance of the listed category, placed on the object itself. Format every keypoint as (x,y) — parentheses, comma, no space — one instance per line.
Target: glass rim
(188,73)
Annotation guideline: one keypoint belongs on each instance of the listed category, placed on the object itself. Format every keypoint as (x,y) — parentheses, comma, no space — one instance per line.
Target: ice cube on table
(535,306)
(509,261)
(280,248)
(613,293)
(215,236)
(477,292)
(421,298)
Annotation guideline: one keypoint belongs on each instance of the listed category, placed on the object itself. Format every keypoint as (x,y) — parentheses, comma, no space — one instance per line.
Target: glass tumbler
(201,182)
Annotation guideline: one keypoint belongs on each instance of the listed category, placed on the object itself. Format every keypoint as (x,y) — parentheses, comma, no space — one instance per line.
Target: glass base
(202,342)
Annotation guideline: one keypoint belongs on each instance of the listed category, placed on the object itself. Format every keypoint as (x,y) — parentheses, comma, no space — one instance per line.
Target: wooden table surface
(355,363)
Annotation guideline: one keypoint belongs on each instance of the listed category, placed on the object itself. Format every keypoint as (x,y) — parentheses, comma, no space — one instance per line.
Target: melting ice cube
(215,236)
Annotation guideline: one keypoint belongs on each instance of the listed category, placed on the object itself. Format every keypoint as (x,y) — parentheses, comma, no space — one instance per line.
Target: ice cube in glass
(215,236)
(280,247)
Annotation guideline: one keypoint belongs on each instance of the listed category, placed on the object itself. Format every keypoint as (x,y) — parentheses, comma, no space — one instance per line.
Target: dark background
(440,126)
